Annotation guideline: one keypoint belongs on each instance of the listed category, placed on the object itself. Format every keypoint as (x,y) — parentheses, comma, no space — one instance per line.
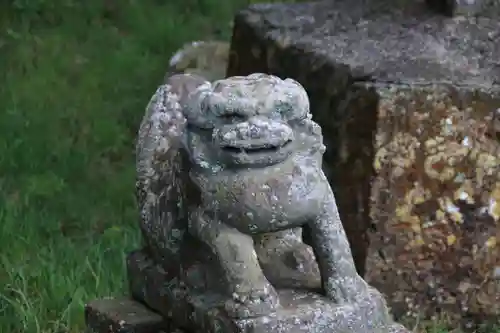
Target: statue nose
(259,126)
(265,122)
(264,128)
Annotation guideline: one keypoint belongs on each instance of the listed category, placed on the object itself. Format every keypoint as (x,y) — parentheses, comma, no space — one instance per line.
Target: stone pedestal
(122,316)
(300,311)
(407,101)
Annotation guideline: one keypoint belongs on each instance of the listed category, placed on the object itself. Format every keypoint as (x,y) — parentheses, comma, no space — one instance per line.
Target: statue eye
(231,117)
(288,111)
(283,108)
(201,126)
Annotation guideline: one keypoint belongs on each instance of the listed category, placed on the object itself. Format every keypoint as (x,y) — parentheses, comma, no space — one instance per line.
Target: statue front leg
(250,292)
(340,280)
(286,260)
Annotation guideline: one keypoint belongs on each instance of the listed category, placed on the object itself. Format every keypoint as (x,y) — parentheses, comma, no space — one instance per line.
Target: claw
(253,303)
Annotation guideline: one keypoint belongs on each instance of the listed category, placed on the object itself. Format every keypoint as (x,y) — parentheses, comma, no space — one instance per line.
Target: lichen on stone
(439,160)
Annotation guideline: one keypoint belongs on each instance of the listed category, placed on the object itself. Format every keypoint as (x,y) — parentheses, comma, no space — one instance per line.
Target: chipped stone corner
(465,7)
(204,58)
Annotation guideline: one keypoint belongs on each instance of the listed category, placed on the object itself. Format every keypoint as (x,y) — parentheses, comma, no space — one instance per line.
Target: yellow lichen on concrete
(436,198)
(494,204)
(400,152)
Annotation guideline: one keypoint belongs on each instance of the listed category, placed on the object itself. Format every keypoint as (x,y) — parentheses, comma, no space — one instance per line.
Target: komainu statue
(229,174)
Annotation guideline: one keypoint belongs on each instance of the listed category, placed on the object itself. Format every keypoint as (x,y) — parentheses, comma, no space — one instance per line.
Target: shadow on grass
(76,79)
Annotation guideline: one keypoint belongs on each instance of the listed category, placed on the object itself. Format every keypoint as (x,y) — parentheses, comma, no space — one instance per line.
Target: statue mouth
(255,148)
(256,153)
(258,141)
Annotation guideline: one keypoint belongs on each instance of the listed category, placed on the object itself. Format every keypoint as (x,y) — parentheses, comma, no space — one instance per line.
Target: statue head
(252,121)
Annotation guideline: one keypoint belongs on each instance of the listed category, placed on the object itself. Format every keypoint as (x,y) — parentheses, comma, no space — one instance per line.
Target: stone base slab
(301,311)
(122,315)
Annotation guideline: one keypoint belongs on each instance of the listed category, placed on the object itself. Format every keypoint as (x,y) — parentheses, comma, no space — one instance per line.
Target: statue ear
(198,104)
(297,100)
(183,84)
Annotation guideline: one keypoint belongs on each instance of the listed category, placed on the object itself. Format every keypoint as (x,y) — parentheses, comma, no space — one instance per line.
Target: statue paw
(350,290)
(292,266)
(302,260)
(255,302)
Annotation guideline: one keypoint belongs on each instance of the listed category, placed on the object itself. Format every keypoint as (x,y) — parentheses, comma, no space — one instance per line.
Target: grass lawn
(75,81)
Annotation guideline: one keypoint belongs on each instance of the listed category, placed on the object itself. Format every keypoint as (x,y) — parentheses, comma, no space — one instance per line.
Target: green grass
(75,82)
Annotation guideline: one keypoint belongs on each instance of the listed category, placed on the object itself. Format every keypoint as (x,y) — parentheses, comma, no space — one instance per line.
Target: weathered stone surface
(399,93)
(123,316)
(390,41)
(465,7)
(228,175)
